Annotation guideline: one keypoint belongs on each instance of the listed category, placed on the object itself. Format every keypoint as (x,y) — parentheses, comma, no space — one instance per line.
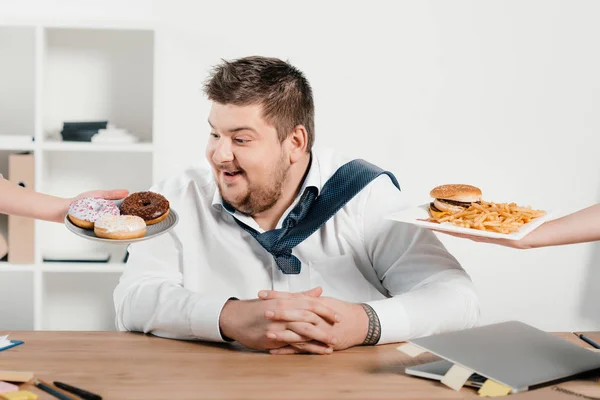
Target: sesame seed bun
(461,193)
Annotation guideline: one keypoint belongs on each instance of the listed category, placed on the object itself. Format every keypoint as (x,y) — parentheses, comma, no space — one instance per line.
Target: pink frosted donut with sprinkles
(84,212)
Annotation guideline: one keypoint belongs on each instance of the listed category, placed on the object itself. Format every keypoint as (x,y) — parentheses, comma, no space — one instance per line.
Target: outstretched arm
(15,200)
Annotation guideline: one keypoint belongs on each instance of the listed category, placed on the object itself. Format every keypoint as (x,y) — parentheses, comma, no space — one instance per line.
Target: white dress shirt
(176,284)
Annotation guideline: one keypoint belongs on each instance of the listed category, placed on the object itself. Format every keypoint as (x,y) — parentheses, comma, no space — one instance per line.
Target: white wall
(497,94)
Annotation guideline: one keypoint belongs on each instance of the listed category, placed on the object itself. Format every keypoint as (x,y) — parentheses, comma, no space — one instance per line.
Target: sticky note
(20,395)
(6,387)
(410,349)
(456,377)
(593,349)
(493,389)
(16,376)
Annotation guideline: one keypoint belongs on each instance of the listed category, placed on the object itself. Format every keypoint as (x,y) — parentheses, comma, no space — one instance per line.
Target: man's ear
(297,142)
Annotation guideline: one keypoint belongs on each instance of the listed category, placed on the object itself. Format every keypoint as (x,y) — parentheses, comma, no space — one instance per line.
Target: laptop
(512,353)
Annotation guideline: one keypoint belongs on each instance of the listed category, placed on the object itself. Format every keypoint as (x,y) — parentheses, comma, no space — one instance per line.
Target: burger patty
(434,208)
(458,203)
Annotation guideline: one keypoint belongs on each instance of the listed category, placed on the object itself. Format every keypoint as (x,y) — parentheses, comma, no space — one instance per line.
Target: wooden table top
(122,365)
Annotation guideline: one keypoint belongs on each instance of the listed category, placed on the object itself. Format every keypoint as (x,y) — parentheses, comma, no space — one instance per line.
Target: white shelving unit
(52,74)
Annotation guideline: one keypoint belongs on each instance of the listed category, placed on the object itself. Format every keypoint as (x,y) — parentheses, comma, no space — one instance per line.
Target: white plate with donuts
(140,216)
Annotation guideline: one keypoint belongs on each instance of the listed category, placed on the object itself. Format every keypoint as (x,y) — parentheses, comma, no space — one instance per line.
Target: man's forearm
(168,310)
(433,308)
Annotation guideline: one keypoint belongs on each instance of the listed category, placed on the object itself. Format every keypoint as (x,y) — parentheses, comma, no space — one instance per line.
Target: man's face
(248,160)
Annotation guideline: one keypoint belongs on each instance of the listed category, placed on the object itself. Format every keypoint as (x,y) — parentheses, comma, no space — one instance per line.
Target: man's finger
(314,292)
(286,336)
(287,350)
(311,332)
(327,313)
(298,332)
(311,305)
(313,347)
(274,294)
(293,316)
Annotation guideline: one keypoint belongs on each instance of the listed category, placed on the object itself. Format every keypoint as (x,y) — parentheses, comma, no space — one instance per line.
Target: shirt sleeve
(151,297)
(429,291)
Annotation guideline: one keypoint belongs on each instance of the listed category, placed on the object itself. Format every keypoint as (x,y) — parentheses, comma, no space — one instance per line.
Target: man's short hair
(280,88)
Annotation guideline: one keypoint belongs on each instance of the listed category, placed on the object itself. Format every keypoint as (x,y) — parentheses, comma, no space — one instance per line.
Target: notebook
(6,344)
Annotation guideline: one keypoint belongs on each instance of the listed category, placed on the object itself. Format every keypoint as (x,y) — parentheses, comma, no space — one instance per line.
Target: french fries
(494,217)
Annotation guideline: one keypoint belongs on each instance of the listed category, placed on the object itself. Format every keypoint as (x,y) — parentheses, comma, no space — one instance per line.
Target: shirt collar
(218,202)
(313,176)
(312,179)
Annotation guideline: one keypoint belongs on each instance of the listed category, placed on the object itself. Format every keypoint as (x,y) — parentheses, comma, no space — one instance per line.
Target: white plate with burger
(459,208)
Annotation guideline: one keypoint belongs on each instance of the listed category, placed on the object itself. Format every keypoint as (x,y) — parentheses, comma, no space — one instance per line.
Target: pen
(84,394)
(51,391)
(589,341)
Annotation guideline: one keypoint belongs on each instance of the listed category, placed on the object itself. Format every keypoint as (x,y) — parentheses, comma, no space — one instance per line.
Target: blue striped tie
(313,211)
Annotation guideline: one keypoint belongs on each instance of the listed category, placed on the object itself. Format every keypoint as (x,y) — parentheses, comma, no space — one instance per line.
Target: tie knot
(289,223)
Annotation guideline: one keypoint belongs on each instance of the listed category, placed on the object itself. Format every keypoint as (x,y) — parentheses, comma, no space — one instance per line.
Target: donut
(120,227)
(84,212)
(151,207)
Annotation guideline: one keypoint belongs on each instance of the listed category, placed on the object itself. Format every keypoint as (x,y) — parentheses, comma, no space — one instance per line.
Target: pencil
(589,341)
(84,394)
(52,391)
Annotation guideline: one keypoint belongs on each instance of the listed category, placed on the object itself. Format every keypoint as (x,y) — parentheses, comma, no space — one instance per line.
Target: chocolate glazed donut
(151,207)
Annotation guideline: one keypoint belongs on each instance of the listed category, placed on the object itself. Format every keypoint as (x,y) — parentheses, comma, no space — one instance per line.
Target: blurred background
(501,95)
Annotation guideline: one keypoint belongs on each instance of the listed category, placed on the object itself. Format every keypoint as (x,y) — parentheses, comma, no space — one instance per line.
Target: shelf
(69,23)
(82,267)
(52,145)
(16,146)
(64,267)
(98,147)
(56,72)
(6,267)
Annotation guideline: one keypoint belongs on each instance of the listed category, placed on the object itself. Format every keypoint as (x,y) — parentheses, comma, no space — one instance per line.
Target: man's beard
(259,199)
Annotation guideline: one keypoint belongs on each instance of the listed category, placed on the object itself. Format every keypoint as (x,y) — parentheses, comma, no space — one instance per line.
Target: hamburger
(452,199)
